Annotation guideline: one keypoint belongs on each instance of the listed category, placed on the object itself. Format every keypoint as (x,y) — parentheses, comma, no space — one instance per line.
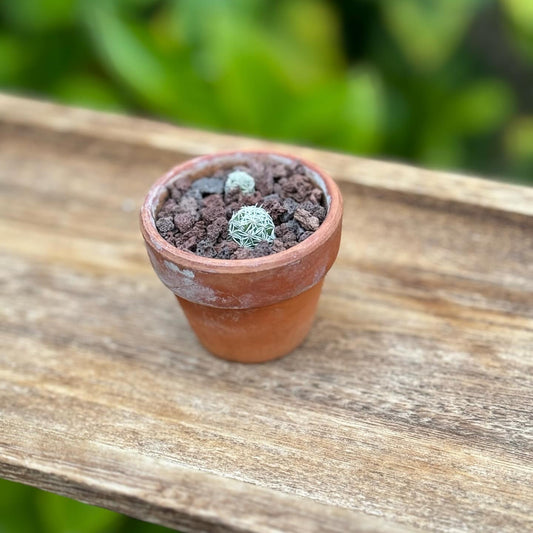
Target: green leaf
(364,114)
(164,83)
(32,15)
(254,59)
(481,107)
(347,113)
(428,31)
(88,90)
(519,139)
(62,515)
(520,12)
(17,513)
(248,77)
(314,116)
(310,31)
(14,58)
(441,149)
(128,55)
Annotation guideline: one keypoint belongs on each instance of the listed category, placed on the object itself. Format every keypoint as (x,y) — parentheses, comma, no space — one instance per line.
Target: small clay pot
(247,310)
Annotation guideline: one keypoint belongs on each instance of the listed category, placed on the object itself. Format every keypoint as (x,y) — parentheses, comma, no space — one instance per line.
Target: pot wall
(257,334)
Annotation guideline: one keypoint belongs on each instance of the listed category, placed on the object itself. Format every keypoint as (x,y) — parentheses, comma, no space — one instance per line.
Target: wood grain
(408,407)
(189,142)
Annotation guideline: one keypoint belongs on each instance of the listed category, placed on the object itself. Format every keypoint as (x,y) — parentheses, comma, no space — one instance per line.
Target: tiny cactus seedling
(242,180)
(251,225)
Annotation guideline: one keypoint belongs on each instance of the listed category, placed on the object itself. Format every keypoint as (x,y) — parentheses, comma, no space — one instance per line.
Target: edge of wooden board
(386,175)
(196,501)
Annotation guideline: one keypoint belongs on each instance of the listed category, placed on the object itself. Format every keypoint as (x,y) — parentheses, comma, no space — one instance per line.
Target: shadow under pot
(246,310)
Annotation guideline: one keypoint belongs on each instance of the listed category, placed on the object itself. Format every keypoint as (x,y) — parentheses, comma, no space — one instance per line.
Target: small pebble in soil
(196,215)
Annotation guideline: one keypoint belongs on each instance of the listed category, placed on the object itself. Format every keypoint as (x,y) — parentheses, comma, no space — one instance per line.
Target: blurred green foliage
(27,510)
(444,83)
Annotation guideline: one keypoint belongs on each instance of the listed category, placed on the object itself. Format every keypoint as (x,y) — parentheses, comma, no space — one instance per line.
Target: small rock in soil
(291,226)
(316,210)
(304,235)
(165,224)
(296,187)
(205,248)
(185,221)
(264,183)
(169,237)
(316,196)
(167,210)
(278,246)
(290,206)
(225,250)
(207,186)
(280,171)
(287,232)
(273,207)
(216,229)
(178,189)
(243,253)
(188,205)
(188,243)
(213,208)
(306,219)
(262,249)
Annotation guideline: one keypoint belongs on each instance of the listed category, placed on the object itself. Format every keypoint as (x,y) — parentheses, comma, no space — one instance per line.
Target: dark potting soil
(195,217)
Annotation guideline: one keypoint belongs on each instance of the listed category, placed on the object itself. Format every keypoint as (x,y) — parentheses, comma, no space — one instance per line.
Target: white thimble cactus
(251,225)
(240,179)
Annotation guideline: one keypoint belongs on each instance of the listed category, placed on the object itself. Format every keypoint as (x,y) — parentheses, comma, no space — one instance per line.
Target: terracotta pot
(247,310)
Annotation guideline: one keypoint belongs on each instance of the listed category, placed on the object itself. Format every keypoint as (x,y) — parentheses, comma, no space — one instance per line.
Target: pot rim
(191,261)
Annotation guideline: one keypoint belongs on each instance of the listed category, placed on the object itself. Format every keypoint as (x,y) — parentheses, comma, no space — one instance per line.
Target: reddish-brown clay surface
(247,310)
(289,320)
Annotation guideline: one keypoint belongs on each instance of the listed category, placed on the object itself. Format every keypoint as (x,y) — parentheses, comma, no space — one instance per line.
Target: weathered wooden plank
(410,401)
(189,142)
